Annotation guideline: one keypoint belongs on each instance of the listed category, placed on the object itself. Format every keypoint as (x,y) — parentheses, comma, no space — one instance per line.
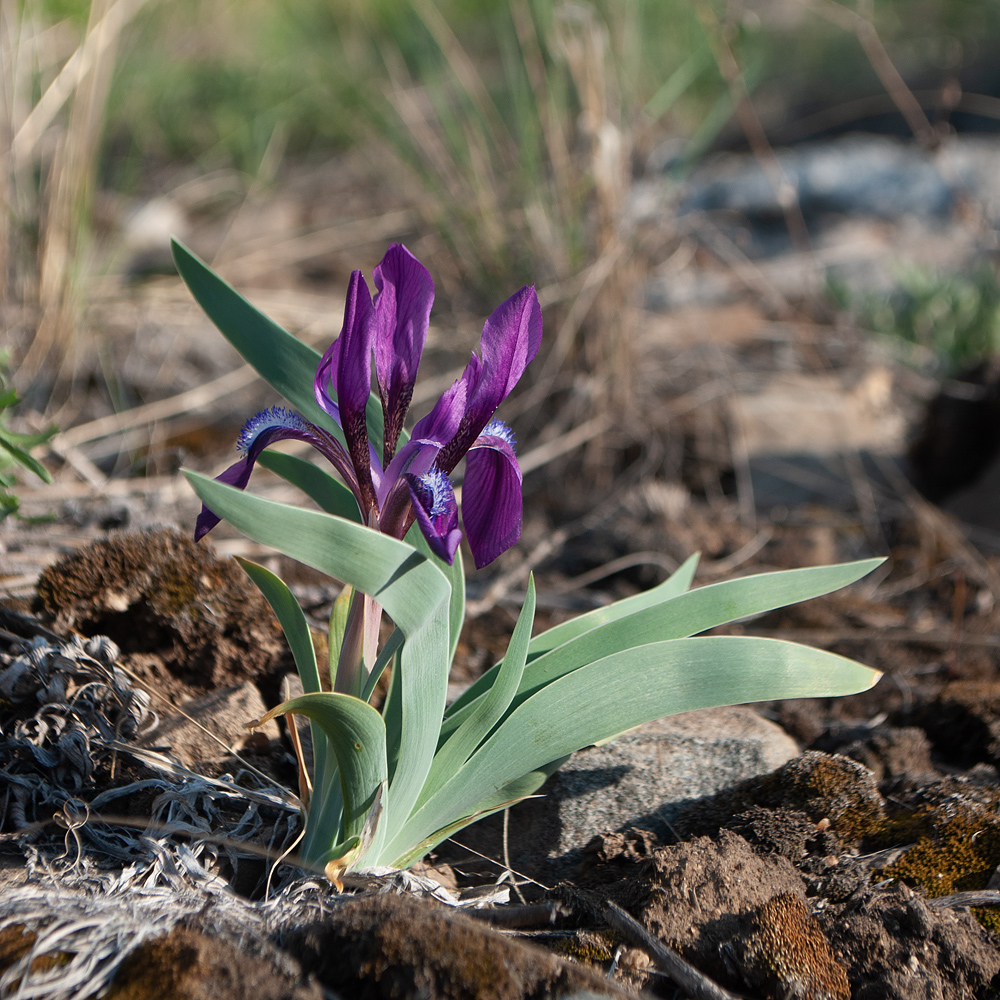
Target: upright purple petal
(405,294)
(262,430)
(511,337)
(428,437)
(491,494)
(352,356)
(436,512)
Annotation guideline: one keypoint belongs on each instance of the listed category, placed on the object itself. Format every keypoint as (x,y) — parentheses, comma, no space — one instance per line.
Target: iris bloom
(412,482)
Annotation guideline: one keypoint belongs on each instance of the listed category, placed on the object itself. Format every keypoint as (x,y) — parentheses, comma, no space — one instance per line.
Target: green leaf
(511,793)
(337,630)
(296,628)
(414,593)
(23,458)
(27,440)
(683,615)
(356,736)
(392,646)
(283,361)
(292,620)
(330,494)
(488,710)
(626,689)
(678,582)
(455,575)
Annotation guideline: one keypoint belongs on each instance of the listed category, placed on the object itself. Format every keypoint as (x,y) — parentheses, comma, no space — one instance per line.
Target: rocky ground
(816,849)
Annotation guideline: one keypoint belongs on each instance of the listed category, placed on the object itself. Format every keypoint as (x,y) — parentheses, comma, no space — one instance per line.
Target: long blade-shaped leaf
(678,582)
(412,590)
(356,736)
(488,710)
(327,802)
(282,360)
(681,616)
(292,620)
(624,690)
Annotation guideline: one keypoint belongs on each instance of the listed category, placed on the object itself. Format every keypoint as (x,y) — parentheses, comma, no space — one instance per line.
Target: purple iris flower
(411,483)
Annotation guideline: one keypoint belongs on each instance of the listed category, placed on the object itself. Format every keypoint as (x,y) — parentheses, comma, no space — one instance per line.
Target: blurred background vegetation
(522,122)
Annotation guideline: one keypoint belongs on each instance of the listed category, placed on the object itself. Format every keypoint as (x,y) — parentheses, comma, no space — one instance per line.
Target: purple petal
(436,512)
(491,494)
(428,437)
(262,430)
(325,375)
(402,312)
(511,337)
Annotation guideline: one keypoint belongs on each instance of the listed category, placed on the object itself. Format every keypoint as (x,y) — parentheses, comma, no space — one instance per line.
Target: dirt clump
(963,722)
(894,946)
(186,965)
(177,611)
(399,947)
(897,756)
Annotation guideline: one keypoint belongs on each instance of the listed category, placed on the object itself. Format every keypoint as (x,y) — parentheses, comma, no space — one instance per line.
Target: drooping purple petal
(402,309)
(511,337)
(436,512)
(491,494)
(262,430)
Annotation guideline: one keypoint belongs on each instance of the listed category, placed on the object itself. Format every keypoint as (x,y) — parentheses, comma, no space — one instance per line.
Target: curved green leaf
(414,593)
(511,793)
(356,736)
(283,361)
(292,620)
(631,687)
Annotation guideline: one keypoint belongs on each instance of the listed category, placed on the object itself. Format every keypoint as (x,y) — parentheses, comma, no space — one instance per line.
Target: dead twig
(980,897)
(784,189)
(904,99)
(694,982)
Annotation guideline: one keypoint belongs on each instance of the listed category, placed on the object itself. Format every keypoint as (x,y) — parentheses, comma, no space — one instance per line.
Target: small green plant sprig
(15,448)
(388,786)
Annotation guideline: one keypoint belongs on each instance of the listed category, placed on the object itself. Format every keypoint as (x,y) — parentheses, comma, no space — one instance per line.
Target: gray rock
(864,174)
(644,778)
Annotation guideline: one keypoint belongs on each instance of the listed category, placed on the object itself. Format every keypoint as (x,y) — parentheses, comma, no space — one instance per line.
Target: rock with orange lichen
(828,788)
(785,954)
(173,607)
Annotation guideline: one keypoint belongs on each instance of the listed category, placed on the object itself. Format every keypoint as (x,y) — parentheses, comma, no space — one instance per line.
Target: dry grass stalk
(61,206)
(583,41)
